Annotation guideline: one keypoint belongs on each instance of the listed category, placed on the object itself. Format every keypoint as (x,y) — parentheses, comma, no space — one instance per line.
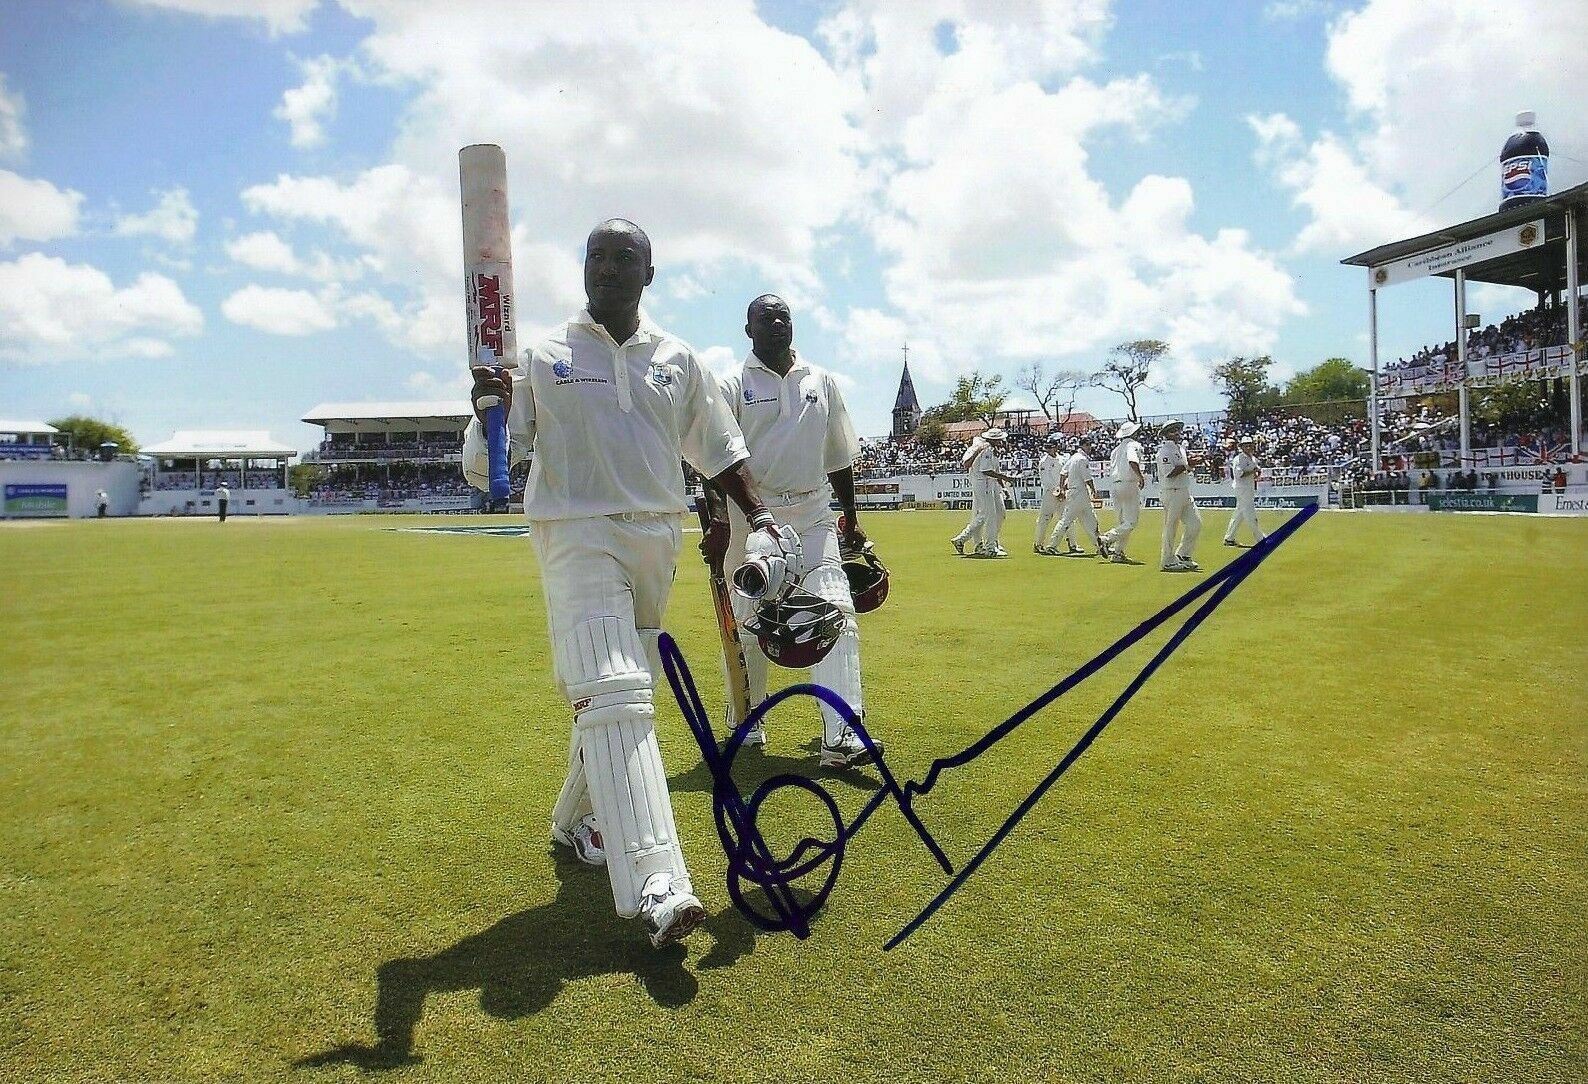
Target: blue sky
(218,221)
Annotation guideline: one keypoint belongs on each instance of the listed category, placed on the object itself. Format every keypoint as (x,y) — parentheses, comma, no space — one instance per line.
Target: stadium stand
(398,457)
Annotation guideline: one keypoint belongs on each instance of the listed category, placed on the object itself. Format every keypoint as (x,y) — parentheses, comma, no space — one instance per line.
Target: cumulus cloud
(13,136)
(172,219)
(278,311)
(265,250)
(279,16)
(1427,124)
(308,106)
(51,310)
(35,210)
(997,256)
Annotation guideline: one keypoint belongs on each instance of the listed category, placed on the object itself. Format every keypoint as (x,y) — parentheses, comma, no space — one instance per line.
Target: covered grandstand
(1536,246)
(183,473)
(391,457)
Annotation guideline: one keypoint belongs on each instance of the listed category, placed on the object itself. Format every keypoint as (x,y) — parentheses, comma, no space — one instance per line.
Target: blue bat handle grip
(496,449)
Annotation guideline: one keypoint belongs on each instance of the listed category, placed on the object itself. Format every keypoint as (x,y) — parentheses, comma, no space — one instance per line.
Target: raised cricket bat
(488,285)
(728,627)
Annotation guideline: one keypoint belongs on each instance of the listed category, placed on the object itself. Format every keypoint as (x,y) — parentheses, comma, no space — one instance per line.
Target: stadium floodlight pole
(1461,364)
(1574,329)
(1372,388)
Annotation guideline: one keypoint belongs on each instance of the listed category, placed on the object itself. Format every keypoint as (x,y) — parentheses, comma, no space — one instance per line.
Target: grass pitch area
(276,799)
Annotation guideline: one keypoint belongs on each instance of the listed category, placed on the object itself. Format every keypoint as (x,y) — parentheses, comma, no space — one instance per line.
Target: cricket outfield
(277,800)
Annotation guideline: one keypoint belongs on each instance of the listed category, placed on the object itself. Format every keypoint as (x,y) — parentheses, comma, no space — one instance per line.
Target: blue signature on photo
(751,863)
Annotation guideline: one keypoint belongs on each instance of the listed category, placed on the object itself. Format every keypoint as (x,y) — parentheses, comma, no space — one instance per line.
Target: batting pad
(604,666)
(628,787)
(839,671)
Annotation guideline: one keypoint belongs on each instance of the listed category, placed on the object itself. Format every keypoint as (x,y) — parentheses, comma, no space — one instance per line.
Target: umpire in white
(608,404)
(802,454)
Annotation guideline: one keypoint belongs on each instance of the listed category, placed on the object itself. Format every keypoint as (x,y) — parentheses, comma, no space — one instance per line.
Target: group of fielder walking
(1068,494)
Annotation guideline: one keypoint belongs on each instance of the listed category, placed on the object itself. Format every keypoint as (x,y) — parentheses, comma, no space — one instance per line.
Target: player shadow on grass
(752,767)
(520,964)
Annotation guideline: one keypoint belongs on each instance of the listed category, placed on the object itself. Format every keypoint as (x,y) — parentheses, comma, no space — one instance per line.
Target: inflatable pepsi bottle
(1524,165)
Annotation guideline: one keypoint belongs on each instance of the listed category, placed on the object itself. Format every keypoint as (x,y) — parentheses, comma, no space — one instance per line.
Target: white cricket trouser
(1127,504)
(1245,512)
(1178,509)
(821,572)
(1078,509)
(987,514)
(606,580)
(1047,516)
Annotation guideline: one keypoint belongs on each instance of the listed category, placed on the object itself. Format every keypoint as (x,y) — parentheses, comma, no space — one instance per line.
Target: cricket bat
(488,286)
(728,627)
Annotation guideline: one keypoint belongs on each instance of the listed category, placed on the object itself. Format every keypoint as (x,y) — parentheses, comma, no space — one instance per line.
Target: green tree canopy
(1244,382)
(1327,382)
(975,397)
(89,433)
(931,432)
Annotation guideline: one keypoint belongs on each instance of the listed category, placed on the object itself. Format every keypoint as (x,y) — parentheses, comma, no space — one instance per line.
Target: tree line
(1128,371)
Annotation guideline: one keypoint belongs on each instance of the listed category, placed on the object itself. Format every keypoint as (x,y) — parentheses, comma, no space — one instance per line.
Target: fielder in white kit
(608,404)
(1049,468)
(1244,472)
(987,479)
(802,454)
(1126,482)
(1077,493)
(1174,484)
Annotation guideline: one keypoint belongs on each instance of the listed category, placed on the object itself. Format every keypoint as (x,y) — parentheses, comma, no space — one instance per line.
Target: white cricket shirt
(1240,464)
(1170,456)
(608,423)
(1077,472)
(1126,452)
(987,459)
(796,426)
(1048,473)
(223,494)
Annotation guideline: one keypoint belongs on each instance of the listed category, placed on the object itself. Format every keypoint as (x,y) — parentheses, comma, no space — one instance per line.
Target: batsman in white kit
(608,404)
(802,454)
(1244,473)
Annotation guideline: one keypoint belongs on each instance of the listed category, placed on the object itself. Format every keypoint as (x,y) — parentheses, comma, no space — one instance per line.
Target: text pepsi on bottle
(1524,165)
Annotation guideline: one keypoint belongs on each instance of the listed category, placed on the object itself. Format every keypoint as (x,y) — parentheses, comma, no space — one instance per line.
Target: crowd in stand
(435,445)
(254,479)
(400,482)
(1521,331)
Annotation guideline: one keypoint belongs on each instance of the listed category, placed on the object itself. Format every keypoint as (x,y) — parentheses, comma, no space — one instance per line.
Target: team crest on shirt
(661,375)
(810,395)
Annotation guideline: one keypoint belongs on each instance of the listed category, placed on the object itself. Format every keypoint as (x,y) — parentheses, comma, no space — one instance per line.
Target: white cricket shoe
(847,751)
(670,914)
(1119,558)
(1189,565)
(959,546)
(585,839)
(998,552)
(756,735)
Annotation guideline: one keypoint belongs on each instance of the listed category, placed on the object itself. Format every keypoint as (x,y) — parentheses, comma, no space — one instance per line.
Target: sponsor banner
(24,451)
(1286,500)
(39,500)
(1482,502)
(1564,504)
(1200,501)
(1461,254)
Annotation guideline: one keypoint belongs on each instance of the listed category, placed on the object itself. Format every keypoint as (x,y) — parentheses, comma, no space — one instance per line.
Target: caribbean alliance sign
(1438,261)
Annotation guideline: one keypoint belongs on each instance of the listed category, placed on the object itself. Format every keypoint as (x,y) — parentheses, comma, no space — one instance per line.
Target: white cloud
(1427,124)
(279,16)
(309,105)
(172,219)
(266,251)
(1286,10)
(13,136)
(721,360)
(451,385)
(51,310)
(35,210)
(278,311)
(1005,248)
(81,400)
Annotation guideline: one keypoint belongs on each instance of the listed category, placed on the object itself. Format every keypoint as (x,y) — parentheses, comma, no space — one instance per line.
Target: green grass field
(276,798)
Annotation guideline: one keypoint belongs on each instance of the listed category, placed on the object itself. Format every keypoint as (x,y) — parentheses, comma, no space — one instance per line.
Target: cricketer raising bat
(488,286)
(728,626)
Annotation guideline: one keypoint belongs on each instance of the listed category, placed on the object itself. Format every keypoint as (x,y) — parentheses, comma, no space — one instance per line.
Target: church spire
(906,407)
